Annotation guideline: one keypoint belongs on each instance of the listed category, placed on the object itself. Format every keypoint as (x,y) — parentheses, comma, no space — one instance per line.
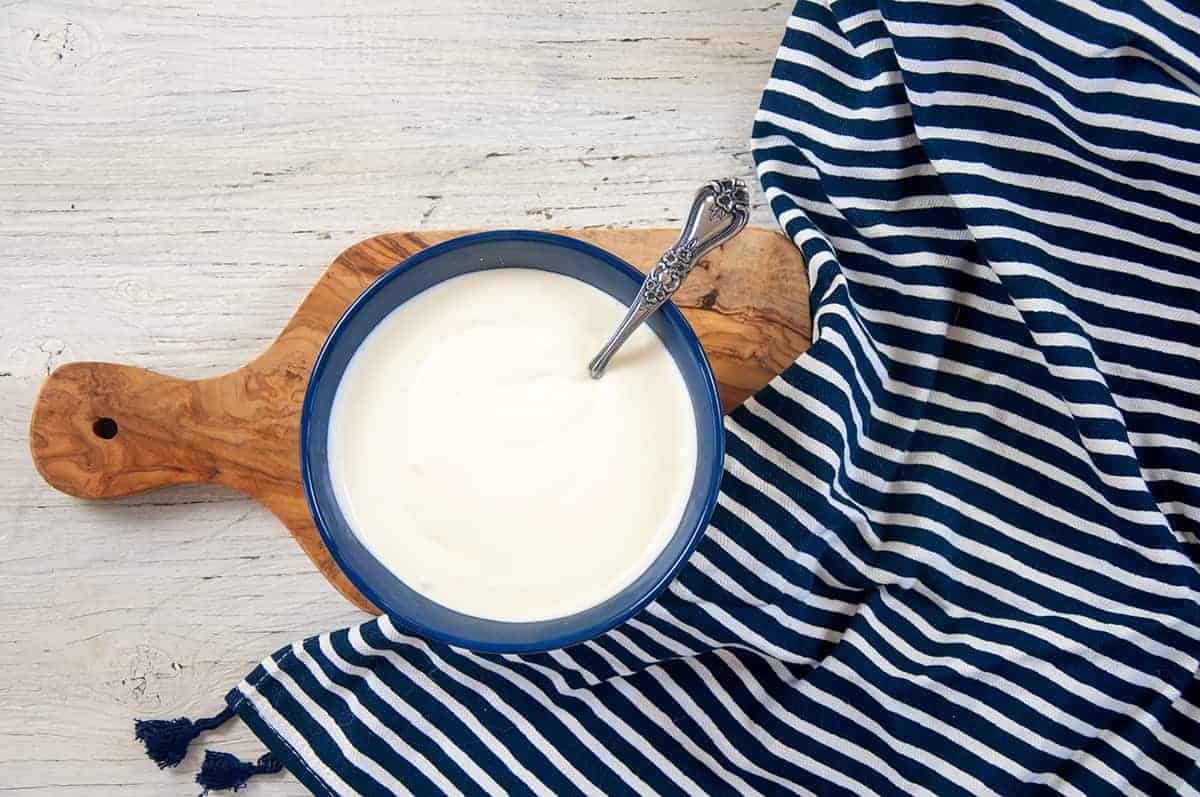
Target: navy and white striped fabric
(955,551)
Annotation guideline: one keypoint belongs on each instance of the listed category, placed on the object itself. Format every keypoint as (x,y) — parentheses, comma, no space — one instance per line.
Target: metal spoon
(719,212)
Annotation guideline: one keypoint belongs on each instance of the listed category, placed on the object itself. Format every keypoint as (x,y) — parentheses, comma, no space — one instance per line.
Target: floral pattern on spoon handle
(718,213)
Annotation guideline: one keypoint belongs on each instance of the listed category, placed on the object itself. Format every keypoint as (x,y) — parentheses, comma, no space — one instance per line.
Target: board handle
(101,430)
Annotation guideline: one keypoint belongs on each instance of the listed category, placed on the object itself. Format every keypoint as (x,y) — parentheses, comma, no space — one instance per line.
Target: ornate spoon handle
(719,212)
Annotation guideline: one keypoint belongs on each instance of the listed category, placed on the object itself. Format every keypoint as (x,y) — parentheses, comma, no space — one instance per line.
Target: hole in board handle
(105,428)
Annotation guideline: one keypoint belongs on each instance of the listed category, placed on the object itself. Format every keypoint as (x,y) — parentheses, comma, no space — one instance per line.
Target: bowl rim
(695,534)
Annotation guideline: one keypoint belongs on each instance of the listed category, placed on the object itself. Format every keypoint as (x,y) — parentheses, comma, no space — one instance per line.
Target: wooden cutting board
(101,430)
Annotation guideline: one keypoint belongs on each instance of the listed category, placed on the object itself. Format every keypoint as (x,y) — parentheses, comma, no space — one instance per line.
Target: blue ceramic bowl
(441,262)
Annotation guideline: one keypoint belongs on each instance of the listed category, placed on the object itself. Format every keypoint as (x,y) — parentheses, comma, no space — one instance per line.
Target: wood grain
(176,176)
(101,430)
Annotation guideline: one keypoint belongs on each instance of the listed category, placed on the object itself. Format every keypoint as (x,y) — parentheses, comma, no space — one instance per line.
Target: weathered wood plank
(174,178)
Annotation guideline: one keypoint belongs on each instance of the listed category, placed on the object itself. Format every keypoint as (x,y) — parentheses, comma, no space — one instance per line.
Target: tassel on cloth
(221,771)
(167,740)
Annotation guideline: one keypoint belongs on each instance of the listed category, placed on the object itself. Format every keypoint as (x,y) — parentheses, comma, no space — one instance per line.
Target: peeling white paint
(174,178)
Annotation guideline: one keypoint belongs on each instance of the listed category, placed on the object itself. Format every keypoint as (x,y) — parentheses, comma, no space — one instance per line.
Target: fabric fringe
(167,741)
(224,771)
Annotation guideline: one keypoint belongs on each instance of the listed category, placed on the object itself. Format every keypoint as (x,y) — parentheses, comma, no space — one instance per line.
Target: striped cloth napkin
(955,550)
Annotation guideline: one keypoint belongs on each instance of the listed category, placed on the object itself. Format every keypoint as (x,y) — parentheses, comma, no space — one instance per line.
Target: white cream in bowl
(471,452)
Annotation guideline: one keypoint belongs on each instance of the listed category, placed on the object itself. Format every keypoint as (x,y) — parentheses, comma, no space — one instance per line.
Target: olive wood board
(101,430)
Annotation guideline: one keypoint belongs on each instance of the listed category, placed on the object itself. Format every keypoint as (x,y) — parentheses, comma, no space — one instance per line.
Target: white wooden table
(173,178)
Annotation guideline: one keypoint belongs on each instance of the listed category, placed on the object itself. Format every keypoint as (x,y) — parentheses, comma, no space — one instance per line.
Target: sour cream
(474,456)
